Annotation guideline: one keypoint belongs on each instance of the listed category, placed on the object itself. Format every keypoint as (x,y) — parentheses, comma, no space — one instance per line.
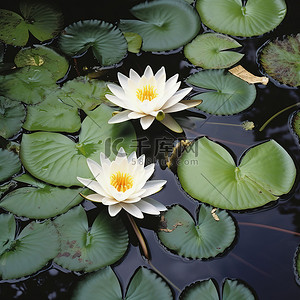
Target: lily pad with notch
(232,17)
(207,51)
(89,249)
(9,164)
(264,173)
(145,284)
(12,116)
(281,60)
(41,18)
(56,159)
(213,232)
(206,289)
(107,42)
(40,201)
(226,95)
(163,24)
(29,251)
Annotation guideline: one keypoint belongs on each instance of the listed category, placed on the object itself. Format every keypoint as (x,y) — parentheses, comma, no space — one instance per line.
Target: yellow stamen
(121,181)
(146,93)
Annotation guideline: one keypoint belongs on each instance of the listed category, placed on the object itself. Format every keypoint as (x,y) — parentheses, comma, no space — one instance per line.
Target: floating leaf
(280,59)
(296,264)
(84,249)
(295,123)
(232,289)
(12,115)
(52,115)
(36,244)
(207,51)
(242,73)
(9,164)
(208,173)
(233,17)
(41,18)
(163,24)
(85,93)
(144,284)
(32,82)
(40,201)
(211,235)
(107,41)
(56,159)
(134,41)
(45,57)
(227,94)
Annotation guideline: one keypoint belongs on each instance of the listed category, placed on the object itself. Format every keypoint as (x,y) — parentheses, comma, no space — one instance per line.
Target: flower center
(148,92)
(121,181)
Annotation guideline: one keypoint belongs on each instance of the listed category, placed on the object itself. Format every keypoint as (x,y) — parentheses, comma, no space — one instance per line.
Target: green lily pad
(281,60)
(297,265)
(106,41)
(213,233)
(9,164)
(232,289)
(33,247)
(32,82)
(45,57)
(144,284)
(12,115)
(40,201)
(207,51)
(56,159)
(84,249)
(52,115)
(85,93)
(295,124)
(209,174)
(232,17)
(163,24)
(134,41)
(226,95)
(41,18)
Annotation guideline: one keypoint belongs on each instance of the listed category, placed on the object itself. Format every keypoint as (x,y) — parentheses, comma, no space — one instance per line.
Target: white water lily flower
(123,183)
(149,97)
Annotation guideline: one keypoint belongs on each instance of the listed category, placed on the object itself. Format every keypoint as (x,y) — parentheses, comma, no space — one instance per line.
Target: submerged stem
(274,116)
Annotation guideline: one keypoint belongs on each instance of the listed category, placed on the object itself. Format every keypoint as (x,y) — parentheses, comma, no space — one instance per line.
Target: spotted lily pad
(264,173)
(12,115)
(9,164)
(281,60)
(210,236)
(226,95)
(45,57)
(33,247)
(41,18)
(235,17)
(232,289)
(52,115)
(144,284)
(40,201)
(56,159)
(84,249)
(107,41)
(32,82)
(85,93)
(208,51)
(163,24)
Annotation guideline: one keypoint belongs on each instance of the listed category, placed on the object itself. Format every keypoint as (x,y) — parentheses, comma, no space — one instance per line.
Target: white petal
(133,210)
(123,81)
(116,90)
(92,185)
(146,121)
(136,115)
(109,201)
(94,197)
(149,170)
(169,122)
(148,72)
(176,98)
(153,187)
(119,117)
(191,103)
(134,75)
(105,162)
(161,74)
(132,158)
(148,208)
(155,203)
(113,210)
(116,101)
(132,200)
(95,168)
(176,107)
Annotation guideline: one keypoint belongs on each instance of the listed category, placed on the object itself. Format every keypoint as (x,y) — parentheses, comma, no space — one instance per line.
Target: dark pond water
(260,257)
